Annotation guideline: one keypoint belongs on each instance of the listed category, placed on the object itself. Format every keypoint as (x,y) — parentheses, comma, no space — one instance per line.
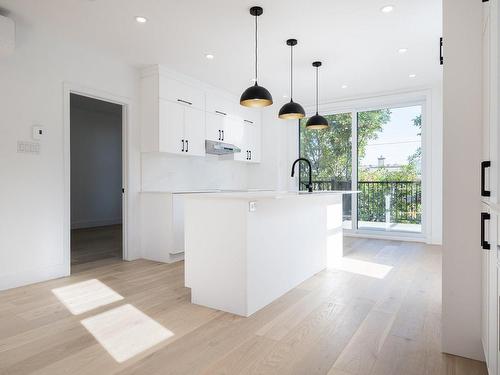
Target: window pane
(330,153)
(389,169)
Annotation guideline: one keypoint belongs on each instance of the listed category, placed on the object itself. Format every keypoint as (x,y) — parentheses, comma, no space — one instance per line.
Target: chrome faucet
(309,185)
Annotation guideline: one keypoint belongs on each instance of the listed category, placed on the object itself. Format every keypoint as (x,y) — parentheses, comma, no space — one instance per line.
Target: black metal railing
(380,201)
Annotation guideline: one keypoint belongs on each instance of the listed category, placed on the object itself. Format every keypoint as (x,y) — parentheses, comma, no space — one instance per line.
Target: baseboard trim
(95,223)
(34,275)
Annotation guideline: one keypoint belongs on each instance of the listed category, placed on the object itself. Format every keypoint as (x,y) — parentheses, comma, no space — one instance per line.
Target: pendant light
(256,96)
(317,121)
(291,110)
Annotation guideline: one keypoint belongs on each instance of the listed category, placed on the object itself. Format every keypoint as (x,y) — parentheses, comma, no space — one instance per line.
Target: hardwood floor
(377,313)
(89,245)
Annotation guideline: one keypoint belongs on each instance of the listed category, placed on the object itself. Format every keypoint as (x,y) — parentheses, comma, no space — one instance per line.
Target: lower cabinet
(489,293)
(162,226)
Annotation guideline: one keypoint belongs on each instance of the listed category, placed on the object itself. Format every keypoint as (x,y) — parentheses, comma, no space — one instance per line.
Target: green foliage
(330,153)
(406,172)
(329,150)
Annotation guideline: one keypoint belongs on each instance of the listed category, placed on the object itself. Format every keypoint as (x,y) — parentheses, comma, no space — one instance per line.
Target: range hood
(220,148)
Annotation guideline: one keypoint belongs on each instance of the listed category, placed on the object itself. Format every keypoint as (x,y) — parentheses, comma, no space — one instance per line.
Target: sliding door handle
(484,165)
(484,244)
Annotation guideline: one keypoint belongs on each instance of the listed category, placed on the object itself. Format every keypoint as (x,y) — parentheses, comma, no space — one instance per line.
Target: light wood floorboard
(339,322)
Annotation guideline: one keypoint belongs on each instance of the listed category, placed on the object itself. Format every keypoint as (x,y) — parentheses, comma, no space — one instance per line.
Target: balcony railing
(380,201)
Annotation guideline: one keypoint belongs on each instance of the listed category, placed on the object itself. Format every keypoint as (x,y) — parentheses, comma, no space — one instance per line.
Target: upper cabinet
(178,115)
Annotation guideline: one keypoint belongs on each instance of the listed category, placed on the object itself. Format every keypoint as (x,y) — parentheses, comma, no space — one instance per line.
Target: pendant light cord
(256,50)
(317,89)
(291,73)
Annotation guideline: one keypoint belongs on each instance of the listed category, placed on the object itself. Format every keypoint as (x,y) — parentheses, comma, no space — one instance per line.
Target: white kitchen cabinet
(179,114)
(179,92)
(181,129)
(162,226)
(172,116)
(194,132)
(250,145)
(490,168)
(490,172)
(224,127)
(489,282)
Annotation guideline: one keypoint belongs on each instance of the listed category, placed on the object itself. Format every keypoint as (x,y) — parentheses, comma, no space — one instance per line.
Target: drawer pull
(484,165)
(221,113)
(184,101)
(484,244)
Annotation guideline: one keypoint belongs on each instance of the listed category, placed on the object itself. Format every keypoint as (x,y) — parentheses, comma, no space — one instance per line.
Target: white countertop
(255,195)
(205,191)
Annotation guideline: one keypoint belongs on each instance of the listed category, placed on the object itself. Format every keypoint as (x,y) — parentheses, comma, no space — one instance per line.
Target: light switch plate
(37,132)
(252,206)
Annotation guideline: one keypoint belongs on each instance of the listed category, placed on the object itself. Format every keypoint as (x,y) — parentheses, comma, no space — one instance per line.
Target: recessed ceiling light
(402,50)
(344,86)
(387,9)
(209,56)
(140,19)
(412,75)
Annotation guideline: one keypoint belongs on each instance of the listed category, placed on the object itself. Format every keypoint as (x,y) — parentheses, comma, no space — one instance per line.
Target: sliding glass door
(330,154)
(387,148)
(389,169)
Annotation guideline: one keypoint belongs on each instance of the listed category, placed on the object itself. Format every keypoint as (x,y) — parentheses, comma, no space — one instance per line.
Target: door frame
(125,103)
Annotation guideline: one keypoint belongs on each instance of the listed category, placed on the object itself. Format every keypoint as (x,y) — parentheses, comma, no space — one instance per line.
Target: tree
(416,158)
(329,150)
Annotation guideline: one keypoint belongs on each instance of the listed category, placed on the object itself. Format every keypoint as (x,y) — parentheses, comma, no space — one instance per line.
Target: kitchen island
(244,250)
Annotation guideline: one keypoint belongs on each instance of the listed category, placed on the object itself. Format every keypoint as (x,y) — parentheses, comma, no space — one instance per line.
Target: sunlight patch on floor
(86,295)
(360,267)
(126,331)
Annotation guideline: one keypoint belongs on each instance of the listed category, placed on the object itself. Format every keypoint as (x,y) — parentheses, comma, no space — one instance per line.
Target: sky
(397,141)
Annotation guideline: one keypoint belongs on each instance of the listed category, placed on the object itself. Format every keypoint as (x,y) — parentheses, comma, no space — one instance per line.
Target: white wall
(32,211)
(461,176)
(96,165)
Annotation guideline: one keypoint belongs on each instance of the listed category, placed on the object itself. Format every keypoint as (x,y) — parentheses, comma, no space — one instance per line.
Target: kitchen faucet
(309,185)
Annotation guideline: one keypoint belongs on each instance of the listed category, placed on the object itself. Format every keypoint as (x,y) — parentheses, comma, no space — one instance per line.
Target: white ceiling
(357,42)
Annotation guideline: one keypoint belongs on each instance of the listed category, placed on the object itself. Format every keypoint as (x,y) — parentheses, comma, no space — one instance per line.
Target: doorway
(96,182)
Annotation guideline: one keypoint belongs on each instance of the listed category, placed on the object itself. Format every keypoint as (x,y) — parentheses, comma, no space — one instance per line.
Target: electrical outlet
(28,147)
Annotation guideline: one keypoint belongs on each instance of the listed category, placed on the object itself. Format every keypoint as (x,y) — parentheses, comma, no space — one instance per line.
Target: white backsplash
(166,172)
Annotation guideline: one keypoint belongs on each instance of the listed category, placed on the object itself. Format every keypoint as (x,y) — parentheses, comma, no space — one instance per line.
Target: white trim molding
(72,88)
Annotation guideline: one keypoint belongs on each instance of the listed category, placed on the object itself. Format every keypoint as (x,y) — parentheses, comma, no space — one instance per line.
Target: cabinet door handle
(441,58)
(187,145)
(221,113)
(484,244)
(183,145)
(248,121)
(219,135)
(223,135)
(250,152)
(184,101)
(484,165)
